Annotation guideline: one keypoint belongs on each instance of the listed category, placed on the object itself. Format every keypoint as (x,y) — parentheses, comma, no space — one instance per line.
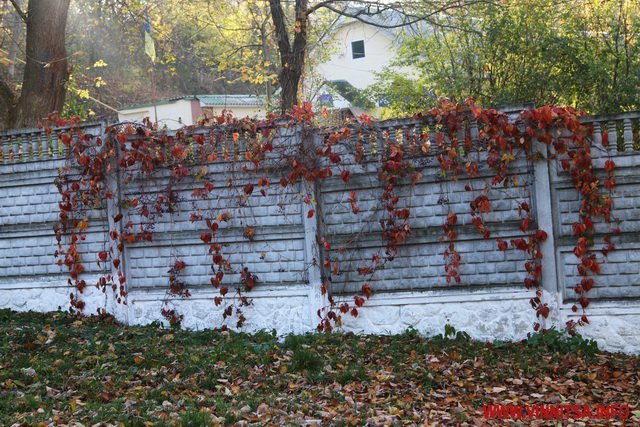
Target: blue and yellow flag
(149,46)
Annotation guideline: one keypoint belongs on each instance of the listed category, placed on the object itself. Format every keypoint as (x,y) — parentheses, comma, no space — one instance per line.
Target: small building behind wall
(178,112)
(239,105)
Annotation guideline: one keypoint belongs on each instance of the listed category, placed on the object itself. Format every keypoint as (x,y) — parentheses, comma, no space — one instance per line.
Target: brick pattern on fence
(275,254)
(420,264)
(29,207)
(620,275)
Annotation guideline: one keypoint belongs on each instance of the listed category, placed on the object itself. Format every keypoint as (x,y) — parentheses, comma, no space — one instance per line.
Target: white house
(187,110)
(360,50)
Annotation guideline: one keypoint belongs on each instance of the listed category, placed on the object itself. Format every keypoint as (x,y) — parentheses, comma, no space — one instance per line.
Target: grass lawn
(55,369)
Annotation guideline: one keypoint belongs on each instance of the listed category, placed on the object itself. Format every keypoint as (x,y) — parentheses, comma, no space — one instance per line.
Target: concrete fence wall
(489,303)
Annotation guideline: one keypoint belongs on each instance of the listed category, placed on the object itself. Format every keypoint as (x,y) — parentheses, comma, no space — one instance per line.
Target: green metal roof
(230,100)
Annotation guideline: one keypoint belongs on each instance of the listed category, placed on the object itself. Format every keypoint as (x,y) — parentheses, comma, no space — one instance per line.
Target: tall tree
(46,68)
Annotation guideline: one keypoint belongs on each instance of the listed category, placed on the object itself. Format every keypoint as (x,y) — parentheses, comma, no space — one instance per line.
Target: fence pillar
(545,219)
(312,255)
(113,207)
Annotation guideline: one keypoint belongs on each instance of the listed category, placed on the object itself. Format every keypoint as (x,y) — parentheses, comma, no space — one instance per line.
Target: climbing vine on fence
(463,139)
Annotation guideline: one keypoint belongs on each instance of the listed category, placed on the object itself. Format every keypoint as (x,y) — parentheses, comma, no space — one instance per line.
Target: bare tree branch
(20,12)
(370,9)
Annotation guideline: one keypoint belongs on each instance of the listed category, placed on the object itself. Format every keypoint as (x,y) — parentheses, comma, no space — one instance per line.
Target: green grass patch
(58,369)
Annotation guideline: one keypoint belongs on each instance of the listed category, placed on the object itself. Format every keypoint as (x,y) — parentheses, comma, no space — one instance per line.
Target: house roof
(219,100)
(390,21)
(230,100)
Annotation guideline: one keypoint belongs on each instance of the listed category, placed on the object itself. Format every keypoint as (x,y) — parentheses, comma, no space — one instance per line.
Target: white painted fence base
(486,316)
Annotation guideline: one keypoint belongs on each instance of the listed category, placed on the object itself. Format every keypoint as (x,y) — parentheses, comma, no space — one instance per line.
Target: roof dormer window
(357,49)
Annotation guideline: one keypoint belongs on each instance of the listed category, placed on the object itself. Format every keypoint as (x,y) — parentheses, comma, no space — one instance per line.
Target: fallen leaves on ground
(58,370)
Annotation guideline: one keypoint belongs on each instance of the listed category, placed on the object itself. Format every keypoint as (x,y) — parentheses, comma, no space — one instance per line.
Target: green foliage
(585,54)
(351,374)
(294,342)
(195,418)
(82,85)
(450,333)
(355,96)
(202,47)
(562,342)
(305,359)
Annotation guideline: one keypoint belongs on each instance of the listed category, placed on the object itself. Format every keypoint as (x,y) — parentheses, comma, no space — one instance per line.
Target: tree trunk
(289,82)
(292,56)
(7,105)
(46,70)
